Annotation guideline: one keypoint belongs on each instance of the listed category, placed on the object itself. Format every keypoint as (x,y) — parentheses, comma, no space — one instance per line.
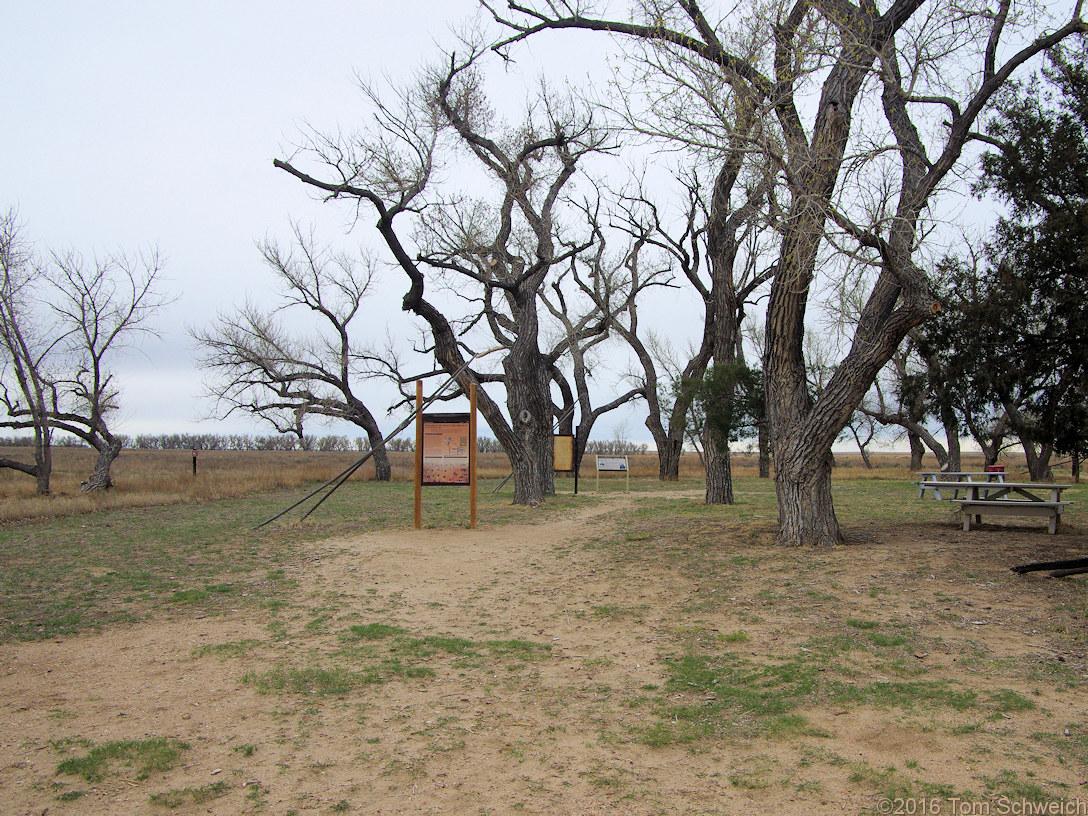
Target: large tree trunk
(917,451)
(954,460)
(806,514)
(383,472)
(670,449)
(101,479)
(43,460)
(365,420)
(764,441)
(528,399)
(1038,459)
(802,456)
(719,470)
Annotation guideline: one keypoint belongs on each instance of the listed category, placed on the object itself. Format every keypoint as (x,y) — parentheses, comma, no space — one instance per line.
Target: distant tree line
(290,442)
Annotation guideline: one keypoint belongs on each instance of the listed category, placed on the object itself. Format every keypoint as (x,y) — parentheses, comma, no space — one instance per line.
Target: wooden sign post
(445,452)
(472,456)
(419,454)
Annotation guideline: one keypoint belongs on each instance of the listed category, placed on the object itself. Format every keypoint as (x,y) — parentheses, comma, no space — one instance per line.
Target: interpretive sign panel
(445,449)
(615,464)
(563,447)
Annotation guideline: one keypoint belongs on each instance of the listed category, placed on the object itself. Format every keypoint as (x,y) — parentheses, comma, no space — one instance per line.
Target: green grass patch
(371,631)
(861,624)
(146,756)
(738,696)
(739,636)
(182,796)
(378,653)
(1005,700)
(311,680)
(236,648)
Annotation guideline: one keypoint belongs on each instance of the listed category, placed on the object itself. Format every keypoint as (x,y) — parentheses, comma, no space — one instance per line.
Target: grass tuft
(147,756)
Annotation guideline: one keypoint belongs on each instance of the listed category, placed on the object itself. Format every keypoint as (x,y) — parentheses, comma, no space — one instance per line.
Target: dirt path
(518,668)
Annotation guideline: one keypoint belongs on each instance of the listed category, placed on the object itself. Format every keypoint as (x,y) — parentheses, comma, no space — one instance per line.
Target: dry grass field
(165,477)
(607,653)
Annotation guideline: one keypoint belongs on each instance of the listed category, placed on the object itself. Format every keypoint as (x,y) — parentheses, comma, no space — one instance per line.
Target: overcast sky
(138,124)
(154,124)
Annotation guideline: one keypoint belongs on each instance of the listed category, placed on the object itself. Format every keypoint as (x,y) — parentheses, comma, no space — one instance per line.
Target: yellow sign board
(563,448)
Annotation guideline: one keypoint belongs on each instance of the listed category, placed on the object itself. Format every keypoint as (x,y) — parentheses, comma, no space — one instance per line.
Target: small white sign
(613,463)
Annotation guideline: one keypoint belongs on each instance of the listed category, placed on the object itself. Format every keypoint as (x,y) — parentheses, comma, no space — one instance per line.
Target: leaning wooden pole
(336,481)
(1062,573)
(1071,563)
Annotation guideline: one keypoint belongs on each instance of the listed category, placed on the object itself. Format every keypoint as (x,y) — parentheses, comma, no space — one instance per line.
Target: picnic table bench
(1012,499)
(935,480)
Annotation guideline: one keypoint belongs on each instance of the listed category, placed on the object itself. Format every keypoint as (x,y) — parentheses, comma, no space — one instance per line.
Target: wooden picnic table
(1012,498)
(935,480)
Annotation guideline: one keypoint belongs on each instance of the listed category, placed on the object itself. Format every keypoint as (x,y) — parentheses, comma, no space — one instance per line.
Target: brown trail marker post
(419,454)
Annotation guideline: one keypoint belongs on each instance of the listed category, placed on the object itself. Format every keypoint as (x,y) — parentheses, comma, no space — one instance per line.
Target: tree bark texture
(362,417)
(764,442)
(806,514)
(917,451)
(719,470)
(101,479)
(528,399)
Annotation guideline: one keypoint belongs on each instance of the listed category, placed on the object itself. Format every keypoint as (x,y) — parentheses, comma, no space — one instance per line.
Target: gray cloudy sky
(136,124)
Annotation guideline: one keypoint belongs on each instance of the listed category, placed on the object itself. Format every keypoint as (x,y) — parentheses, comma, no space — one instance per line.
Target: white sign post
(614,464)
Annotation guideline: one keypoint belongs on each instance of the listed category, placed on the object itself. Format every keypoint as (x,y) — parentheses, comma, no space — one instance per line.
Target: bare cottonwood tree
(931,72)
(284,375)
(62,320)
(899,399)
(715,245)
(661,369)
(502,248)
(101,306)
(24,385)
(583,330)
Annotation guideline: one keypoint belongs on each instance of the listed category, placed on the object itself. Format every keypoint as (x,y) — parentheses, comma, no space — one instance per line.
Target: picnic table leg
(966,521)
(1052,523)
(978,521)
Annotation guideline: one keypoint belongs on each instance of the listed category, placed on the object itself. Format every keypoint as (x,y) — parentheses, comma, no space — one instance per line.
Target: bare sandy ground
(556,731)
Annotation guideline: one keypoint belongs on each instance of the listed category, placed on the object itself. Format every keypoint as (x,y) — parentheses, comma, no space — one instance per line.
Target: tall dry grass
(166,477)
